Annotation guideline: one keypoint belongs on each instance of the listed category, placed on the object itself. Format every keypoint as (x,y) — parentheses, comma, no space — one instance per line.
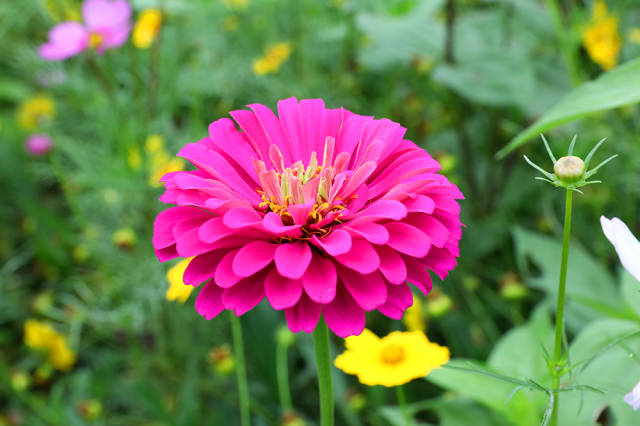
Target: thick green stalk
(282,373)
(557,350)
(241,369)
(323,363)
(402,401)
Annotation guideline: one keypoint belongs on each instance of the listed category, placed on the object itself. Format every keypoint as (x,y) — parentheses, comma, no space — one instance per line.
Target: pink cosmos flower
(322,211)
(106,26)
(38,144)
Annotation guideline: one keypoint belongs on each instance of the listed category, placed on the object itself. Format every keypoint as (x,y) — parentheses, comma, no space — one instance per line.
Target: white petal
(626,245)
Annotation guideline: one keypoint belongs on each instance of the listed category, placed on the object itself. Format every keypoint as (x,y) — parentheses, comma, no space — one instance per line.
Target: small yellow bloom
(273,58)
(134,159)
(61,357)
(147,28)
(601,38)
(178,290)
(634,35)
(172,165)
(154,144)
(413,318)
(392,360)
(35,112)
(236,4)
(41,336)
(125,238)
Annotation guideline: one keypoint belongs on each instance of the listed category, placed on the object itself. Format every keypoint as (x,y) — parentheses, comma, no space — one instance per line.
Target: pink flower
(38,144)
(106,26)
(320,210)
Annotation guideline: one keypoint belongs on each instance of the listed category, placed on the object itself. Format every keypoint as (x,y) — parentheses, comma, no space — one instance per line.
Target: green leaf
(615,88)
(506,383)
(591,291)
(615,369)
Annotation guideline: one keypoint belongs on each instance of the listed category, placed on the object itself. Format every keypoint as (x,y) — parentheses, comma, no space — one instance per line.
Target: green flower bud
(569,169)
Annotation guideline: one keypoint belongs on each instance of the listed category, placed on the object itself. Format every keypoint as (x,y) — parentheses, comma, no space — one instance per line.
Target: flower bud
(569,169)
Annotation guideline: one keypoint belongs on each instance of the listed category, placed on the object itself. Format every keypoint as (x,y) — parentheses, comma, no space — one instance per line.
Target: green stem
(569,49)
(323,363)
(241,369)
(557,351)
(282,372)
(402,401)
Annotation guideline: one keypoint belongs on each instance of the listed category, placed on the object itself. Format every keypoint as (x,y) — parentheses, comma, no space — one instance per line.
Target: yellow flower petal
(393,360)
(178,290)
(147,28)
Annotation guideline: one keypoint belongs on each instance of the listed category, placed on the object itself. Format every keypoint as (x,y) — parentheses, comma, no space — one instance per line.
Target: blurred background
(91,330)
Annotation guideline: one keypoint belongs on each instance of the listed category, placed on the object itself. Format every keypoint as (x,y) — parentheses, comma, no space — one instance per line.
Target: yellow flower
(236,4)
(161,162)
(634,35)
(273,58)
(35,112)
(178,290)
(61,357)
(154,144)
(134,159)
(392,360)
(41,336)
(164,167)
(601,38)
(147,28)
(413,318)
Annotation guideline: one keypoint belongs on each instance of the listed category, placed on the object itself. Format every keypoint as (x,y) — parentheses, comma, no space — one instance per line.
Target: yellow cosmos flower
(236,4)
(273,58)
(35,112)
(413,318)
(41,336)
(392,360)
(601,38)
(147,28)
(178,290)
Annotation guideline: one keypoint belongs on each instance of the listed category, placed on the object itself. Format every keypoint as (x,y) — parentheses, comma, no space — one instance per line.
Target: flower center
(95,40)
(392,354)
(317,188)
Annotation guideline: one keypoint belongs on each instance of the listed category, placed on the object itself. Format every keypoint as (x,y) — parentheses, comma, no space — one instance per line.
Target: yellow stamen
(95,40)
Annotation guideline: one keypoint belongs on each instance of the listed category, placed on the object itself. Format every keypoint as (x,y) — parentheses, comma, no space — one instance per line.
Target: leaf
(464,412)
(591,291)
(397,39)
(615,369)
(509,382)
(615,88)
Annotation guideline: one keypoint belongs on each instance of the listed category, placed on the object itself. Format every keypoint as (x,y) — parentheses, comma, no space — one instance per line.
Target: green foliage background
(146,360)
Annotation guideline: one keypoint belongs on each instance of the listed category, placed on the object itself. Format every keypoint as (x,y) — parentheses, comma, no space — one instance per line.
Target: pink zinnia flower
(320,210)
(106,26)
(38,144)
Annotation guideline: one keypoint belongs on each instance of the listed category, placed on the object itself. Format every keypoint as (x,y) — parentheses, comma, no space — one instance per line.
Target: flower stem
(241,369)
(568,47)
(282,373)
(323,363)
(402,401)
(557,351)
